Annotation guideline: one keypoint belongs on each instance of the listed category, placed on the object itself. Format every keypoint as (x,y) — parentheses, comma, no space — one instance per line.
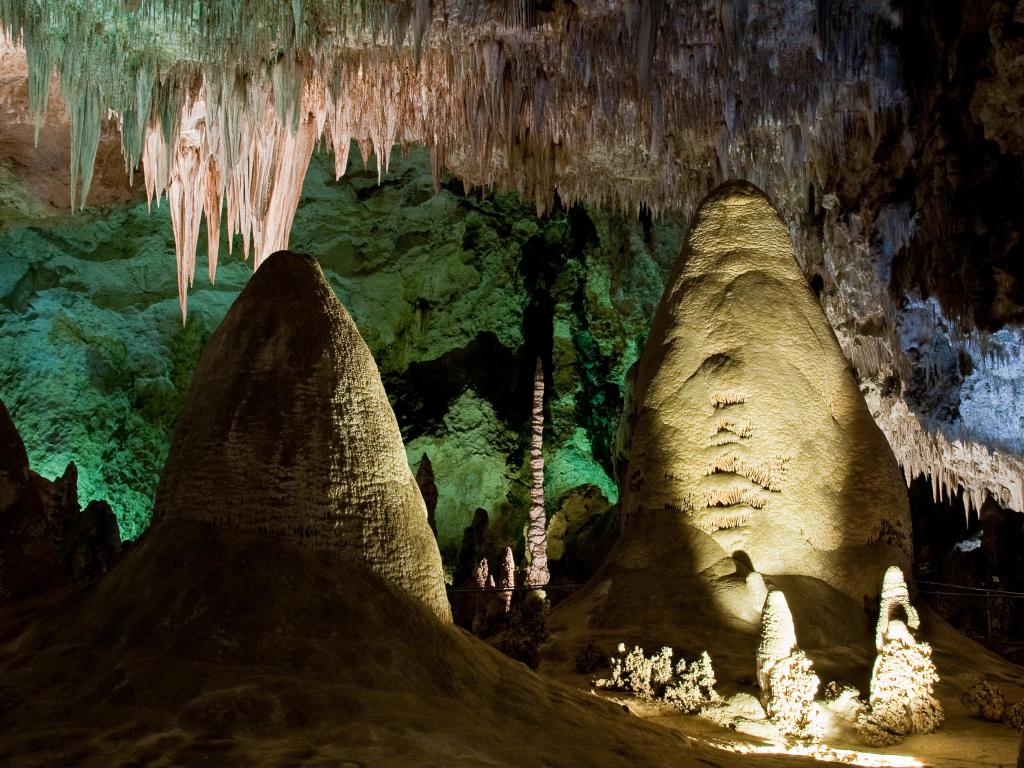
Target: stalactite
(536,536)
(506,95)
(951,464)
(510,95)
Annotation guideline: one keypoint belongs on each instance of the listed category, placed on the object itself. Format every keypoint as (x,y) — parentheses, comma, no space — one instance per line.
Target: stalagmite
(482,574)
(536,536)
(508,578)
(778,637)
(745,424)
(902,701)
(895,597)
(784,673)
(246,455)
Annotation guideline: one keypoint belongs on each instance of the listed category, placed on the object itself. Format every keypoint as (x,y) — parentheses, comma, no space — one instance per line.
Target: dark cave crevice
(422,394)
(956,556)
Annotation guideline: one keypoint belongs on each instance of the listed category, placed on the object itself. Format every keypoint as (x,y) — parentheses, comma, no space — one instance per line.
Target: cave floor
(959,742)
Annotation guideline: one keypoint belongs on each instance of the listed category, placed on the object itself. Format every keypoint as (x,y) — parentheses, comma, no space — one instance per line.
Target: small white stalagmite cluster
(901,700)
(785,674)
(687,687)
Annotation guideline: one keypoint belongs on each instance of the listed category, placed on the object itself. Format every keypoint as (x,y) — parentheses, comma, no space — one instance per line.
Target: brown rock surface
(29,561)
(208,646)
(287,431)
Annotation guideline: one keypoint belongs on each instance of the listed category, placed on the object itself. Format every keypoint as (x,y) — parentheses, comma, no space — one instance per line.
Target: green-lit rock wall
(456,294)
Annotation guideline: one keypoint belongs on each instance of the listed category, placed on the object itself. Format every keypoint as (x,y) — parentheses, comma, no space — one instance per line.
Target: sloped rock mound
(287,431)
(748,459)
(287,606)
(212,646)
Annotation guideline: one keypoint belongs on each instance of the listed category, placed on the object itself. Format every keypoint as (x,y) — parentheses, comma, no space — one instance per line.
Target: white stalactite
(951,464)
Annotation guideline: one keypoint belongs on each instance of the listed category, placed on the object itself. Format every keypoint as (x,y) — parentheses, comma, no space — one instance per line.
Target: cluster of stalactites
(952,465)
(620,104)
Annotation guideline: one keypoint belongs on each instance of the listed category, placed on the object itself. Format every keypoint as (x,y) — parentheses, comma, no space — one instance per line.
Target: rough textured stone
(778,637)
(746,421)
(428,489)
(985,701)
(97,363)
(29,561)
(895,597)
(287,431)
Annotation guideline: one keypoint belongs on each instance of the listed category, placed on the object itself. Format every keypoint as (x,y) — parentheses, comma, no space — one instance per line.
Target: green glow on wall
(94,362)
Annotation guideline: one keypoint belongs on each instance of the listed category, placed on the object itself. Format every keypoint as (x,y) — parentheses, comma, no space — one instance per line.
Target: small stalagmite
(287,432)
(895,597)
(746,424)
(28,557)
(778,637)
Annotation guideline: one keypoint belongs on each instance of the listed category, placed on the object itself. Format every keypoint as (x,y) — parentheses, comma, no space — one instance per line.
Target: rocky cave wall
(455,294)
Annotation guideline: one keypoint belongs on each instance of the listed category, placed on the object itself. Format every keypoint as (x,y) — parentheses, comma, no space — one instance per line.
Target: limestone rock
(1015,717)
(287,432)
(29,561)
(92,543)
(87,542)
(901,698)
(428,489)
(895,597)
(985,701)
(746,421)
(778,637)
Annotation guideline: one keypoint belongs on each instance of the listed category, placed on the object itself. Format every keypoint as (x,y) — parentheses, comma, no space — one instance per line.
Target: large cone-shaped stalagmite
(746,424)
(287,431)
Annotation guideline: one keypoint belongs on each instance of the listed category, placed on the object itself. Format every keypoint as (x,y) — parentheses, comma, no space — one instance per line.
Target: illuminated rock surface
(222,644)
(98,362)
(287,432)
(746,422)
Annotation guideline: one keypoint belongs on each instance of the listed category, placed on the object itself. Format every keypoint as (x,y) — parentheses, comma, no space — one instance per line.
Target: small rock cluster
(785,674)
(46,539)
(688,687)
(986,701)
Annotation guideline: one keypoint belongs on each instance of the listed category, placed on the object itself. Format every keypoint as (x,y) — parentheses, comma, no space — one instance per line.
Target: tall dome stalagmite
(746,422)
(287,431)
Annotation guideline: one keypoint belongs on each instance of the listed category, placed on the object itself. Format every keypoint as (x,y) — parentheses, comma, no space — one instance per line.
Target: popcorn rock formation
(778,637)
(746,421)
(895,597)
(248,453)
